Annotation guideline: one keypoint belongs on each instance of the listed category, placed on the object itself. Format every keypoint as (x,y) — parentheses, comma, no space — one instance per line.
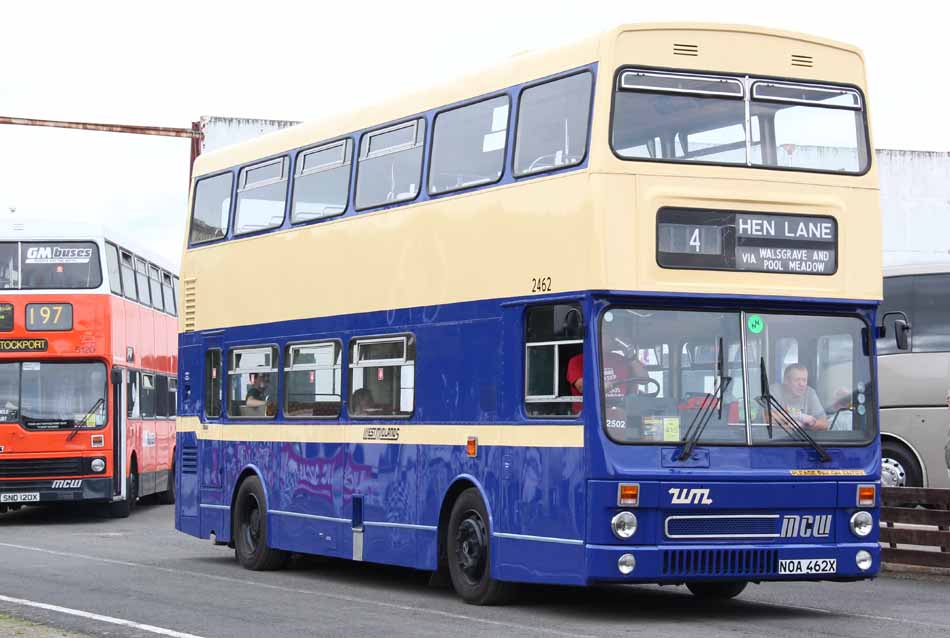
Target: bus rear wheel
(249,529)
(468,552)
(716,590)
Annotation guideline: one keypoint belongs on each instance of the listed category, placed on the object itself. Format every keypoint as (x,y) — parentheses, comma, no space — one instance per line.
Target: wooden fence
(913,535)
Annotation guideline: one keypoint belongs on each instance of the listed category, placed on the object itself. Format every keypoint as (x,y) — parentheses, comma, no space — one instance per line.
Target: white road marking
(91,616)
(308,592)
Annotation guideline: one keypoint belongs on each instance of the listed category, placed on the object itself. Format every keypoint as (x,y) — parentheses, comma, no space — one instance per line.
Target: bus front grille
(720,562)
(31,468)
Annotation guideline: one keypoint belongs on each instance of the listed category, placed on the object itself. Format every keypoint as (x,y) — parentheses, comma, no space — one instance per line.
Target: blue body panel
(549,507)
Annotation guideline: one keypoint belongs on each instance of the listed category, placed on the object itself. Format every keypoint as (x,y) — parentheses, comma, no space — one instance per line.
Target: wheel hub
(893,473)
(471,546)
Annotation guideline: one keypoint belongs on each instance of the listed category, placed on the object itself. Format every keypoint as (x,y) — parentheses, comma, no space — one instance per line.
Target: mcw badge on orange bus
(759,242)
(23,345)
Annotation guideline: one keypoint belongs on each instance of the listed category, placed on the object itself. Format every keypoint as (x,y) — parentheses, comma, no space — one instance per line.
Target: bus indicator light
(628,495)
(867,495)
(98,440)
(472,446)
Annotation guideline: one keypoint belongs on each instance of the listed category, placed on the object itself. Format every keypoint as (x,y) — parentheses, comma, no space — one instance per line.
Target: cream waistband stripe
(571,436)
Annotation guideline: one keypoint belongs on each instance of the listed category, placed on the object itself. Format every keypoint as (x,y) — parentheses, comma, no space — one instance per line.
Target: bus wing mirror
(902,328)
(902,334)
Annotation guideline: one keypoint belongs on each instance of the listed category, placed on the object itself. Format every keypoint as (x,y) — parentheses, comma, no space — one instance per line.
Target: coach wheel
(168,496)
(898,466)
(250,529)
(469,552)
(716,590)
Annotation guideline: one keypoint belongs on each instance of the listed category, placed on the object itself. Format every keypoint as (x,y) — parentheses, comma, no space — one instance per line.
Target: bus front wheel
(249,529)
(716,590)
(468,552)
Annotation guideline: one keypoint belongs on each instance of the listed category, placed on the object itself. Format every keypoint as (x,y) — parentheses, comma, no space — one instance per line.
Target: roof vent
(191,303)
(803,60)
(686,49)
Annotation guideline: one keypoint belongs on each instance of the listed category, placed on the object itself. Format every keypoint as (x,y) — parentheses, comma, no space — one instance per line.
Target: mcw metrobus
(87,368)
(600,314)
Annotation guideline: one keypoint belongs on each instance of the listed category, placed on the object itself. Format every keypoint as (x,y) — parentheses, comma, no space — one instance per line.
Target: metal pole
(165,131)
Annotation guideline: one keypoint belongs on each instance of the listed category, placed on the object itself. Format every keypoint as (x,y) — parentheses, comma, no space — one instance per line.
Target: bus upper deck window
(390,164)
(321,182)
(553,119)
(261,194)
(468,145)
(554,341)
(212,205)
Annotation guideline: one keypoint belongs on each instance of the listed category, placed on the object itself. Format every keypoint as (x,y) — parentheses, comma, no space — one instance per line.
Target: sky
(168,64)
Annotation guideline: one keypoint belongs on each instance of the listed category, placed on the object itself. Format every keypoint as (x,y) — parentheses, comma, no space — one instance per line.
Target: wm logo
(690,496)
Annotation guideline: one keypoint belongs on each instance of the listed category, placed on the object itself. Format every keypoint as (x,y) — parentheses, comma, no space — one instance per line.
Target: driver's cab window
(554,360)
(552,125)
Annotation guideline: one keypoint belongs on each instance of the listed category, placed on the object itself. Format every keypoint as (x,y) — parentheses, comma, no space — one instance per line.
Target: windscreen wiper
(786,421)
(89,413)
(704,414)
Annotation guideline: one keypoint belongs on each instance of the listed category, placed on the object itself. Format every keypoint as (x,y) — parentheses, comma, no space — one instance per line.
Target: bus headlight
(626,563)
(863,560)
(861,524)
(98,465)
(624,525)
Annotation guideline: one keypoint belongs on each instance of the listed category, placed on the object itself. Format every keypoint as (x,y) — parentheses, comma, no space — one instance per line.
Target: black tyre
(123,508)
(249,529)
(168,496)
(716,590)
(899,466)
(468,552)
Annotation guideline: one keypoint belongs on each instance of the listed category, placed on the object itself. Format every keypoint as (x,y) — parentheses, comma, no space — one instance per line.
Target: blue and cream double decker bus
(600,314)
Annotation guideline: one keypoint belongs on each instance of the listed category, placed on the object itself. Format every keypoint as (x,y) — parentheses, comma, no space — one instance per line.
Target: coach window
(155,281)
(552,125)
(213,383)
(312,379)
(161,396)
(322,182)
(132,395)
(147,396)
(252,382)
(112,263)
(172,397)
(141,278)
(382,377)
(128,276)
(209,218)
(554,363)
(468,145)
(261,195)
(390,164)
(168,294)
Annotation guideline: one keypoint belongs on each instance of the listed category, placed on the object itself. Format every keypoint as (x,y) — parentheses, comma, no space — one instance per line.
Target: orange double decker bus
(88,361)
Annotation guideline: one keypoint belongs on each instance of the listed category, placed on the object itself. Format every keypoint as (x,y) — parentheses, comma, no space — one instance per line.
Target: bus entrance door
(119,432)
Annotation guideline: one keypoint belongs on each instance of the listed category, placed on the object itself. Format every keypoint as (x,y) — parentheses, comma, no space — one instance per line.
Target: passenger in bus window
(799,399)
(259,393)
(361,402)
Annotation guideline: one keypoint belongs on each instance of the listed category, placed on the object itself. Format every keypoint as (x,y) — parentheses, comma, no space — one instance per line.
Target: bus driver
(618,372)
(799,399)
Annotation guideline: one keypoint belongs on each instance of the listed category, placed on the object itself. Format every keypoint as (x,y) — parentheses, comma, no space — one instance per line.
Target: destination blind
(709,239)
